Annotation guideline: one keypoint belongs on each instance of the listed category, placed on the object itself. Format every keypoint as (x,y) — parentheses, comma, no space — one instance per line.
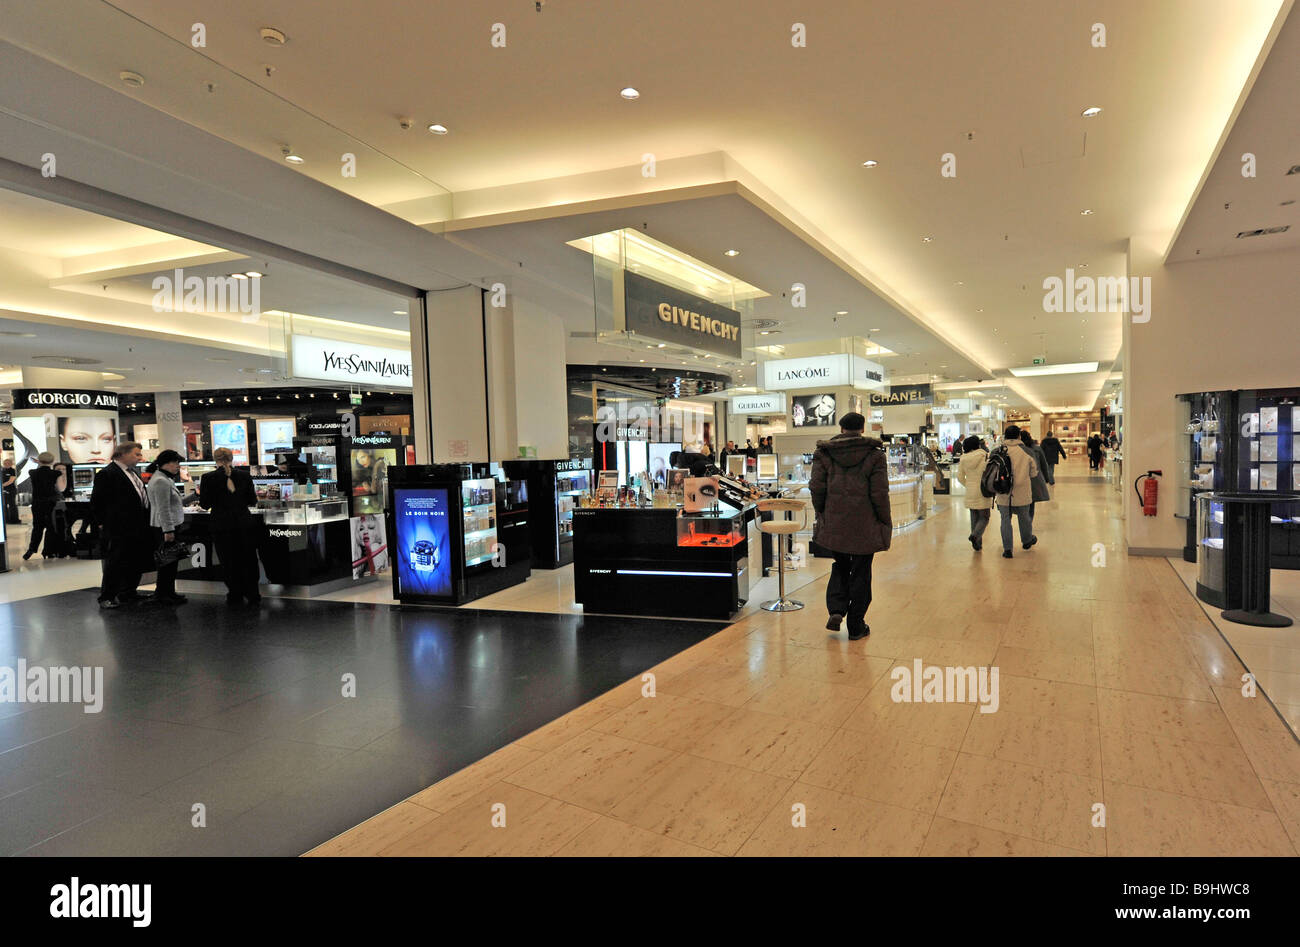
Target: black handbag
(169,552)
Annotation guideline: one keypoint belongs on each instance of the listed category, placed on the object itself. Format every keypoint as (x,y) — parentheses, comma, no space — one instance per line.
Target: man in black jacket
(850,493)
(121,509)
(227,493)
(1052,452)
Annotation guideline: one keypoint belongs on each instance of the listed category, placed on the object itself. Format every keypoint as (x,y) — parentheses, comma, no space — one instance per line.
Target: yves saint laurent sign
(333,360)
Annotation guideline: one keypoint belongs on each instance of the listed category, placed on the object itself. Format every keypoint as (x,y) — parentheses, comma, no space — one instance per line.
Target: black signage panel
(903,394)
(69,398)
(661,312)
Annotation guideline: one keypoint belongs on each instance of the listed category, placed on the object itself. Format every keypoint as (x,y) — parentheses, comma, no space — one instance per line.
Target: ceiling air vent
(1264,232)
(761,323)
(1295,169)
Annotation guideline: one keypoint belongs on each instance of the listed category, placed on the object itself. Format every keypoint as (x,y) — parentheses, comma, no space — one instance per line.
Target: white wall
(456,384)
(540,385)
(1221,324)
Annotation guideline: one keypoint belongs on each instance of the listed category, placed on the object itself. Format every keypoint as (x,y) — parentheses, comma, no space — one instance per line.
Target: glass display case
(305,512)
(325,458)
(709,530)
(1211,579)
(569,486)
(479,515)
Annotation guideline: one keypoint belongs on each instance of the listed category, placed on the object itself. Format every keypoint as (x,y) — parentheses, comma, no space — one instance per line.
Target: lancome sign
(822,371)
(333,360)
(755,405)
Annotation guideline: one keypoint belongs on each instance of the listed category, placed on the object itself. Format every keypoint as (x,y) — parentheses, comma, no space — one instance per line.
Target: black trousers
(43,526)
(849,590)
(166,584)
(11,508)
(123,563)
(237,552)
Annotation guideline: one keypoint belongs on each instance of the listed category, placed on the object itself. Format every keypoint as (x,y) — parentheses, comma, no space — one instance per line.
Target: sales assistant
(697,322)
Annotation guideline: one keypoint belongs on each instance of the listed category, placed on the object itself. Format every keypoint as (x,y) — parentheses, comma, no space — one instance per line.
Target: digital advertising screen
(275,436)
(813,411)
(421,545)
(232,435)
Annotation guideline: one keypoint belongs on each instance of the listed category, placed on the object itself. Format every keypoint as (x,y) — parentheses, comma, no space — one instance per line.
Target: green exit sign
(355,398)
(1040,361)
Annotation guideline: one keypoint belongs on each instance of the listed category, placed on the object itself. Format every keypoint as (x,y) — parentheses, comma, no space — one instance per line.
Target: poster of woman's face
(87,440)
(814,411)
(369,546)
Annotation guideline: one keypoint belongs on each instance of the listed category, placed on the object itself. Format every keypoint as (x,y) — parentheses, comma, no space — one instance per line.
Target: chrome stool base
(782,605)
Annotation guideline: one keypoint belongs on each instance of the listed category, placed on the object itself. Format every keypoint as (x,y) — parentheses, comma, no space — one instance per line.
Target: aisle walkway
(1120,728)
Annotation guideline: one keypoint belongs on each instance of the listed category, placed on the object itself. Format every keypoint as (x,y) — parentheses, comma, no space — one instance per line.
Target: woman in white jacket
(166,515)
(970,471)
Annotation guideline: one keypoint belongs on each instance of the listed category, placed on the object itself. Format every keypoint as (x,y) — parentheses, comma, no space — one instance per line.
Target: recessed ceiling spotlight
(290,156)
(981,310)
(1086,212)
(238,276)
(630,93)
(272,36)
(399,312)
(927,239)
(253,274)
(438,129)
(731,253)
(133,79)
(1091,112)
(1081,266)
(662,345)
(869,163)
(841,312)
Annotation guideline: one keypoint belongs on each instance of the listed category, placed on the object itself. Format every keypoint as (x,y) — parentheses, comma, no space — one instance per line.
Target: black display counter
(657,562)
(457,533)
(1235,555)
(303,558)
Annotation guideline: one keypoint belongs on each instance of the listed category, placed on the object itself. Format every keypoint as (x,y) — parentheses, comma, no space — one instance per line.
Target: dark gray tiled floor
(244,713)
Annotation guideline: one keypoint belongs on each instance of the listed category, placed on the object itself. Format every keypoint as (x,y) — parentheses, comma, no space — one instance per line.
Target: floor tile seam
(631,825)
(947,780)
(1019,835)
(872,799)
(49,736)
(780,798)
(70,828)
(1254,766)
(1191,795)
(359,825)
(1224,638)
(466,770)
(1186,795)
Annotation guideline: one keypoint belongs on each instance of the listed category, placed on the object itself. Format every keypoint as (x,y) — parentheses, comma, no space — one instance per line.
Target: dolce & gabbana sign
(73,398)
(661,312)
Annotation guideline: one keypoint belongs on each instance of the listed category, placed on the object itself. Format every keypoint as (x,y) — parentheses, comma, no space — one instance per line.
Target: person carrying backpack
(850,494)
(970,474)
(1015,460)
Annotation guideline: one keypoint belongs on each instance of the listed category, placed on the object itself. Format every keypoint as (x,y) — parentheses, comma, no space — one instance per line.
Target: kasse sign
(332,360)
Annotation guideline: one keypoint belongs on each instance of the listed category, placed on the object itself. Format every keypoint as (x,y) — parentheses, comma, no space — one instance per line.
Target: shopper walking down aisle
(1094,452)
(166,516)
(10,478)
(1015,502)
(850,494)
(121,507)
(47,486)
(970,471)
(1038,485)
(1053,452)
(228,493)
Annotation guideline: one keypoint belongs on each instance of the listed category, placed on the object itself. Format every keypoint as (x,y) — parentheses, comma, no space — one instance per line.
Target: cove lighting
(1070,368)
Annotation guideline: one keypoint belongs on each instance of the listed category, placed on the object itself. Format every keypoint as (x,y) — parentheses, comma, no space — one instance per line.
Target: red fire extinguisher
(1150,492)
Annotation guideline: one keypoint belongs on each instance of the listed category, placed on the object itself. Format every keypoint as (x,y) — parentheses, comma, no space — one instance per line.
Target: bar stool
(779,528)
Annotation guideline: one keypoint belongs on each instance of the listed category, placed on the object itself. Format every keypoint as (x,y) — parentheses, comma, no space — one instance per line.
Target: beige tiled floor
(1120,729)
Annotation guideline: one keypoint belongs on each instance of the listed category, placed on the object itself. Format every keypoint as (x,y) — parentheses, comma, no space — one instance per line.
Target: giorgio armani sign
(64,398)
(333,360)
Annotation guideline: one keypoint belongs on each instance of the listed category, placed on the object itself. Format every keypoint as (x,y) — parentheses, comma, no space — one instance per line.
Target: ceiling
(539,124)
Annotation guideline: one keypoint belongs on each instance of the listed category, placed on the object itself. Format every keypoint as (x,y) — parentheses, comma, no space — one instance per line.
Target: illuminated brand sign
(820,371)
(64,398)
(284,533)
(576,463)
(903,394)
(661,312)
(333,360)
(748,405)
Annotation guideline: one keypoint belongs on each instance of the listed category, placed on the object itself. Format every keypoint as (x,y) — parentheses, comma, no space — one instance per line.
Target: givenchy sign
(661,312)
